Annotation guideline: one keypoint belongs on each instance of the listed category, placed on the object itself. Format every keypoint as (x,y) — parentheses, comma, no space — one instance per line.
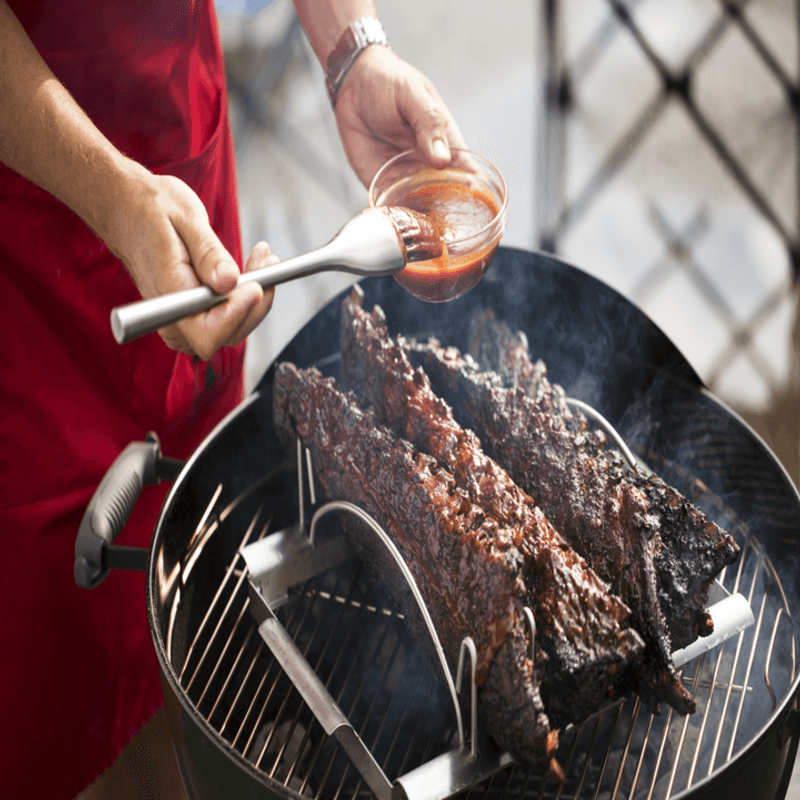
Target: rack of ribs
(692,550)
(580,625)
(466,566)
(614,521)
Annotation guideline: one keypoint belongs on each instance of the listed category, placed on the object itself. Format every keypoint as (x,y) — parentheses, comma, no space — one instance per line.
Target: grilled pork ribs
(539,512)
(471,584)
(617,520)
(581,627)
(692,550)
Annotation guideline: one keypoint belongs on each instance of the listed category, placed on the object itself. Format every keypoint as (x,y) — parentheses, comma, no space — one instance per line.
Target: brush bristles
(421,238)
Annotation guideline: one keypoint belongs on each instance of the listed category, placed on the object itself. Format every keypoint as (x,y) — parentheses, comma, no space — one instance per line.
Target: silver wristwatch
(356,38)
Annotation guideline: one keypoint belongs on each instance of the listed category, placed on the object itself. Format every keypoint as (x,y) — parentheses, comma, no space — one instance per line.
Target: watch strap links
(355,39)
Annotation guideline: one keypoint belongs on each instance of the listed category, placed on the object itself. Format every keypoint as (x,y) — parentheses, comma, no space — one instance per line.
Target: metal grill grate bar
(234,666)
(350,710)
(731,684)
(266,665)
(241,693)
(748,671)
(329,599)
(218,664)
(317,598)
(706,712)
(626,750)
(384,676)
(280,713)
(661,748)
(607,753)
(213,605)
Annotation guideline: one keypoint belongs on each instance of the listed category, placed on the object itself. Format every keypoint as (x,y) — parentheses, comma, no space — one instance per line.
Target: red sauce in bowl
(458,212)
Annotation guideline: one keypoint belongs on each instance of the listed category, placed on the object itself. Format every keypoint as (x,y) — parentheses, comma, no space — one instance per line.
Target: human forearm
(382,104)
(324,21)
(46,137)
(156,224)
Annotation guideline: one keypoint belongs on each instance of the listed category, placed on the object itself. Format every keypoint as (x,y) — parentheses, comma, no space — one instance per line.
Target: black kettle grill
(242,727)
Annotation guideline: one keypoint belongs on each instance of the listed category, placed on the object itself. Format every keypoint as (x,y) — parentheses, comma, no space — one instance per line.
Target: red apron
(78,669)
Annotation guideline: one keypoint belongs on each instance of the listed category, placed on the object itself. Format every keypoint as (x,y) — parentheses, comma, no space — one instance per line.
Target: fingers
(168,245)
(386,106)
(209,330)
(230,322)
(212,263)
(260,256)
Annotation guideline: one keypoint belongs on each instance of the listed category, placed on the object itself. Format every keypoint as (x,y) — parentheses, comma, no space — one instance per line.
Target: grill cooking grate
(362,651)
(359,647)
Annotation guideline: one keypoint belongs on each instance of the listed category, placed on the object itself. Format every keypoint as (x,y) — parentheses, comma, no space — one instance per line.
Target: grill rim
(768,732)
(167,669)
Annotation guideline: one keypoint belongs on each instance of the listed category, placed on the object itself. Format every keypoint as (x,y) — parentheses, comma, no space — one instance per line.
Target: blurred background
(653,143)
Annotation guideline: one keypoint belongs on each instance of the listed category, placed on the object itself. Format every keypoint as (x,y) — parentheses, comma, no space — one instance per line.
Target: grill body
(603,350)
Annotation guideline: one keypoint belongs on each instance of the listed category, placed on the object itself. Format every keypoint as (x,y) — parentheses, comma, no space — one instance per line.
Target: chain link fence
(669,166)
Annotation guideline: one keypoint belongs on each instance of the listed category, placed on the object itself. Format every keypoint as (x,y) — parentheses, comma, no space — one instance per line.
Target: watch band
(355,39)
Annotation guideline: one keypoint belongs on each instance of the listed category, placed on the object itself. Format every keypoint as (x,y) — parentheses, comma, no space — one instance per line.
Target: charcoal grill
(241,728)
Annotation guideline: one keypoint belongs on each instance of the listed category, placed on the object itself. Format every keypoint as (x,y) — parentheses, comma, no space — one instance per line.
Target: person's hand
(386,106)
(162,234)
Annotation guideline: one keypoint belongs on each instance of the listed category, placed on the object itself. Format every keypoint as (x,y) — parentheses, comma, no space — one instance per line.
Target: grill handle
(140,464)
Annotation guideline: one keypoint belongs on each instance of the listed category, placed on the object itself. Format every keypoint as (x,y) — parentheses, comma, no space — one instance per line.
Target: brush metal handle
(131,321)
(367,245)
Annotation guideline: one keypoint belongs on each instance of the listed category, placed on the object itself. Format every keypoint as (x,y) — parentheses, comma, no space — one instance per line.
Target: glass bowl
(467,200)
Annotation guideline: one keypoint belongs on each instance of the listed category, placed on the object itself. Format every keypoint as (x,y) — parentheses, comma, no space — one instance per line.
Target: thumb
(435,147)
(212,263)
(430,131)
(434,129)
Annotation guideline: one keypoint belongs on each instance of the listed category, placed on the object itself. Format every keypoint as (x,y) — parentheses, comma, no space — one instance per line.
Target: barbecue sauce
(457,212)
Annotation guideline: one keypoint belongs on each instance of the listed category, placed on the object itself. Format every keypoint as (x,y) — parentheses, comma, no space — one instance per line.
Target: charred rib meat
(579,624)
(497,348)
(470,581)
(584,494)
(692,550)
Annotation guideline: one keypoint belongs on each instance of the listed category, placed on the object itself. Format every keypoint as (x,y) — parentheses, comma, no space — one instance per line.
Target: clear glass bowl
(467,199)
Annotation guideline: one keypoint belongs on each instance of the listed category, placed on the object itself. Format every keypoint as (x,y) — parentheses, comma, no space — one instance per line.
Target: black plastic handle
(138,465)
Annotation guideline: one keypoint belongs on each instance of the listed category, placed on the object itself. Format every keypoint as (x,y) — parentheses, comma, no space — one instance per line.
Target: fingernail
(440,149)
(222,273)
(218,271)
